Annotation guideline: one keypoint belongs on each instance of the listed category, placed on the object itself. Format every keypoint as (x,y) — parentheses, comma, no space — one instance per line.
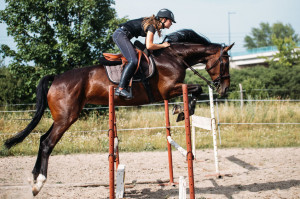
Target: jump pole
(213,123)
(207,124)
(116,143)
(169,145)
(111,135)
(188,141)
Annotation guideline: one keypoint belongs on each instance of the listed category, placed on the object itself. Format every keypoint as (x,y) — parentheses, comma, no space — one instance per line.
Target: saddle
(114,64)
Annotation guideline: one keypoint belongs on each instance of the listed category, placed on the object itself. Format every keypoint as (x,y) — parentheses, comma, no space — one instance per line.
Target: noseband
(217,82)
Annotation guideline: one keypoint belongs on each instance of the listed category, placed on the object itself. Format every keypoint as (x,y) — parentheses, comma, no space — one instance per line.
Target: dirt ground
(249,173)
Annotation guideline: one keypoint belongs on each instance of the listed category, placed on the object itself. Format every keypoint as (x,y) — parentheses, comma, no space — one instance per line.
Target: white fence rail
(162,104)
(158,104)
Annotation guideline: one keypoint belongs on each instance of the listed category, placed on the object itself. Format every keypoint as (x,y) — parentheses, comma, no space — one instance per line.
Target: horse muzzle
(222,89)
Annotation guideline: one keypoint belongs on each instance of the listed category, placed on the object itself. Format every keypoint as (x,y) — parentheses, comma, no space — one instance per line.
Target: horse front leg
(195,90)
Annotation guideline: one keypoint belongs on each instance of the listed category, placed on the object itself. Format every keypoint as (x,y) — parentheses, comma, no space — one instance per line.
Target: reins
(212,84)
(209,83)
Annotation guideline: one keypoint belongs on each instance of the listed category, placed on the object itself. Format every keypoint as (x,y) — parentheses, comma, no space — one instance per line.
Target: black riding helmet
(165,13)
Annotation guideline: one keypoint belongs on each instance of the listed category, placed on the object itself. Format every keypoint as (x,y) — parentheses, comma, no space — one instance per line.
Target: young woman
(144,27)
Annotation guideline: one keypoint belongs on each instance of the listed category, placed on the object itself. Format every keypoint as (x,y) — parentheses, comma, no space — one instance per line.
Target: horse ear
(227,48)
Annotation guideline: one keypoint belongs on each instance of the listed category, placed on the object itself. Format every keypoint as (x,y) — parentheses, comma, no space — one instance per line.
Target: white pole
(194,140)
(177,146)
(120,190)
(218,119)
(182,188)
(213,123)
(116,145)
(241,94)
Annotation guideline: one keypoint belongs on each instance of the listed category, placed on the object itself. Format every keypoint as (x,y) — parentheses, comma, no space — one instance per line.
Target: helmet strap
(163,24)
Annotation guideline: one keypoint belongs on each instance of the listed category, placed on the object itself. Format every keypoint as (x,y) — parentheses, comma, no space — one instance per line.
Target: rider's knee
(133,61)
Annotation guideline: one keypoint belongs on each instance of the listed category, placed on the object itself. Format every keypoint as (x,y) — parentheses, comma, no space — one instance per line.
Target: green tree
(288,54)
(53,36)
(279,81)
(262,36)
(258,82)
(10,87)
(253,87)
(1,62)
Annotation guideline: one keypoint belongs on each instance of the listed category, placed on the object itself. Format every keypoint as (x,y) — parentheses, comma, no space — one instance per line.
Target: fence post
(241,94)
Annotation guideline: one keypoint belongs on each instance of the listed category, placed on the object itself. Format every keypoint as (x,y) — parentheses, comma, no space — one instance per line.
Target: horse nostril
(226,89)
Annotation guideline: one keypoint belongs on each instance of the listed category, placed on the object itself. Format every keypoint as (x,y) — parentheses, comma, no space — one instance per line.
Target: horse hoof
(180,117)
(177,109)
(40,181)
(35,191)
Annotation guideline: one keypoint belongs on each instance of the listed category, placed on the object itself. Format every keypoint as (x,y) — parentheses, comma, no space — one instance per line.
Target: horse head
(217,67)
(198,49)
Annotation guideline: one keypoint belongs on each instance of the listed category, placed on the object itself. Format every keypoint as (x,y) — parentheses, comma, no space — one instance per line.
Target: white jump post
(213,123)
(182,188)
(208,124)
(120,189)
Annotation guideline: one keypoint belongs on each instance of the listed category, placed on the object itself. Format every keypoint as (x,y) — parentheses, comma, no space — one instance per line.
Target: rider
(145,27)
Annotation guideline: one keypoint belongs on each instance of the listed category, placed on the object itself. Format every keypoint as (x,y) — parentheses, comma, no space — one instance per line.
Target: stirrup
(124,93)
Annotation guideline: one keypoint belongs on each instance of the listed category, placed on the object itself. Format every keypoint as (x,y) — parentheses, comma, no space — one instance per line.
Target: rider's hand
(166,44)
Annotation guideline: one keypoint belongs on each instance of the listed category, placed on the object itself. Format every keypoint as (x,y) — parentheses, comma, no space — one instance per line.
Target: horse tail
(41,104)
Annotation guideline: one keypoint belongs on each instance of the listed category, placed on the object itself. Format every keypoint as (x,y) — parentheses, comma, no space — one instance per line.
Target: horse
(70,91)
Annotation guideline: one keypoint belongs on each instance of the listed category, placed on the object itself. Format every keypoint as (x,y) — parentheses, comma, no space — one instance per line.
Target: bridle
(215,84)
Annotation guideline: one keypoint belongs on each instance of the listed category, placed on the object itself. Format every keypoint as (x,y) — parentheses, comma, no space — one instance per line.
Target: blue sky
(208,17)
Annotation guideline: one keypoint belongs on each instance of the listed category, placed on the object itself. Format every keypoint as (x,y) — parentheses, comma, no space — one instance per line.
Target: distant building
(248,58)
(256,56)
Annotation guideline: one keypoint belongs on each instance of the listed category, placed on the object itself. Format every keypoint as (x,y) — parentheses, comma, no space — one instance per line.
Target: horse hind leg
(46,147)
(37,166)
(47,144)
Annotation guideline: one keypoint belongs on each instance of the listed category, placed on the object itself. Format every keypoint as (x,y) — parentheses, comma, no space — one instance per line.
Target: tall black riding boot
(127,74)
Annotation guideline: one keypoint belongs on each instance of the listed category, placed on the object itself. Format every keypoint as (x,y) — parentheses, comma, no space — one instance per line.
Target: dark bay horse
(70,91)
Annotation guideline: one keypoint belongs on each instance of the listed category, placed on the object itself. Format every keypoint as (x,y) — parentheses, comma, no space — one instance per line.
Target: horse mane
(186,35)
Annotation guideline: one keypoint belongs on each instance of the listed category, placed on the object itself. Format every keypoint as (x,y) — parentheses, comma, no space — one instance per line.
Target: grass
(87,135)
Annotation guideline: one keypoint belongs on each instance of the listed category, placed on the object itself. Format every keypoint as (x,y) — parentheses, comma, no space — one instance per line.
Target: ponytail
(153,20)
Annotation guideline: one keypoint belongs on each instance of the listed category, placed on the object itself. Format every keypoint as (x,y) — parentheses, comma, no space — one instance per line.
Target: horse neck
(196,53)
